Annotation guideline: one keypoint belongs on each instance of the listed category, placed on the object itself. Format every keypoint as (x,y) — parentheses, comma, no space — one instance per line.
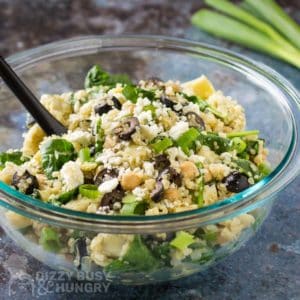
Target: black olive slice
(236,182)
(104,175)
(101,109)
(195,120)
(25,183)
(161,162)
(116,102)
(127,129)
(158,193)
(114,196)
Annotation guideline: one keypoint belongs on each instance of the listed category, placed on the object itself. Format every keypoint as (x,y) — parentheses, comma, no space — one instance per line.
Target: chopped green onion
(90,191)
(84,154)
(242,133)
(130,198)
(133,208)
(182,240)
(238,144)
(241,33)
(161,145)
(187,139)
(151,108)
(49,239)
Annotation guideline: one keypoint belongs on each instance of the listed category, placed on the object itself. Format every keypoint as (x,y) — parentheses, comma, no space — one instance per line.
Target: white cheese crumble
(108,186)
(71,175)
(145,117)
(139,193)
(79,136)
(178,129)
(149,168)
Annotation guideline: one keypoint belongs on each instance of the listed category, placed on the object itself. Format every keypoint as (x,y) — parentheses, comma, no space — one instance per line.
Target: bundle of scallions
(258,24)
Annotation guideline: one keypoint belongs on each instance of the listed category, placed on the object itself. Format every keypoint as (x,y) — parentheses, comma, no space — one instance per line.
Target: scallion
(187,139)
(84,154)
(161,145)
(90,191)
(275,15)
(236,31)
(242,133)
(49,239)
(182,240)
(229,8)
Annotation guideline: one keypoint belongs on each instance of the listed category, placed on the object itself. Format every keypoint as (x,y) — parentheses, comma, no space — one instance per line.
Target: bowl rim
(250,198)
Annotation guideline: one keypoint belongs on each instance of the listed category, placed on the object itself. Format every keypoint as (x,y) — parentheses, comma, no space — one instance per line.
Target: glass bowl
(89,242)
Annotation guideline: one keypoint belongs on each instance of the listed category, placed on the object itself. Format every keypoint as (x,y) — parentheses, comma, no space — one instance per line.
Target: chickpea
(130,181)
(189,170)
(172,194)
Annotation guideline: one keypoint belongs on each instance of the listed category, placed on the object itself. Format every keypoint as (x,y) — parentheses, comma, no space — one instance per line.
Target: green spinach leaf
(55,153)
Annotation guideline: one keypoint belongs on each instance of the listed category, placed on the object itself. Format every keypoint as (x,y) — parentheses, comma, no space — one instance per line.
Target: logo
(58,282)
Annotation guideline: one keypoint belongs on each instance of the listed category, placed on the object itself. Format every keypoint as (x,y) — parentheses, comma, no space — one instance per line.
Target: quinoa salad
(151,148)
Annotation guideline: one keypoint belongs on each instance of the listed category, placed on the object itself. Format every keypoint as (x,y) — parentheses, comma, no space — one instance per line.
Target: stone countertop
(268,266)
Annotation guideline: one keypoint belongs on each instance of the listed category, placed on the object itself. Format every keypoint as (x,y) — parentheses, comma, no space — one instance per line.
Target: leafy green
(49,239)
(55,153)
(15,157)
(132,93)
(215,142)
(247,167)
(138,258)
(252,147)
(238,144)
(96,76)
(162,252)
(146,93)
(203,105)
(264,169)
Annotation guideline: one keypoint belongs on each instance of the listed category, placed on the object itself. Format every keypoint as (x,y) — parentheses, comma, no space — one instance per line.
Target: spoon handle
(46,121)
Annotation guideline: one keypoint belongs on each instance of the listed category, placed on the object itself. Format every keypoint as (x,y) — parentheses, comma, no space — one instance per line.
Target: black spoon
(47,122)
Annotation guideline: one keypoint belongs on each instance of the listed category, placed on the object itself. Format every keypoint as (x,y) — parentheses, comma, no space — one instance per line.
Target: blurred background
(29,23)
(269,267)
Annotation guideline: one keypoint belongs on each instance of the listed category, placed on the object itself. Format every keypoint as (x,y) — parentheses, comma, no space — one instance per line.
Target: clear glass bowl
(271,105)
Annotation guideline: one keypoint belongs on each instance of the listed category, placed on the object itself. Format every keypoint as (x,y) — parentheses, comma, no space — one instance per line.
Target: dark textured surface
(268,267)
